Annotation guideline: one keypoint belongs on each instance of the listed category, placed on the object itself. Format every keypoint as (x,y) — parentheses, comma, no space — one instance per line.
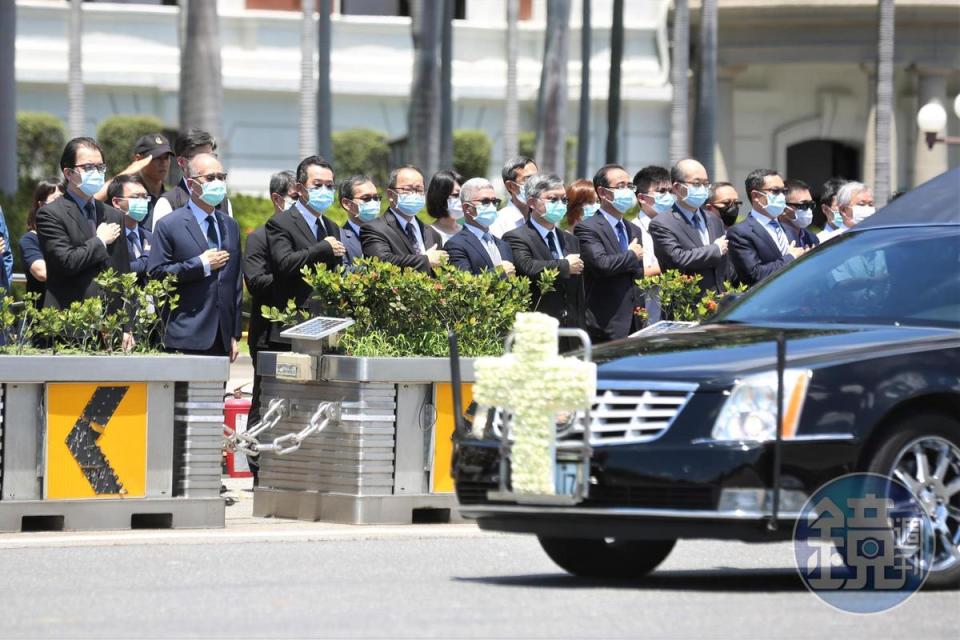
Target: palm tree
(324,124)
(886,25)
(75,108)
(201,80)
(552,104)
(511,115)
(308,96)
(424,118)
(680,62)
(8,102)
(583,127)
(613,97)
(706,117)
(446,85)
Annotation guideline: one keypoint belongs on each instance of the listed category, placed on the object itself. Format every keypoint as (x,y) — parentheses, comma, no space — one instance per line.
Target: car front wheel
(924,454)
(607,558)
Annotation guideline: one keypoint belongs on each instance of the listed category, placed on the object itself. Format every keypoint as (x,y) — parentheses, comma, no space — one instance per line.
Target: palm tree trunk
(679,145)
(583,126)
(552,117)
(511,115)
(308,95)
(8,102)
(706,118)
(446,85)
(324,123)
(613,97)
(424,119)
(886,25)
(201,79)
(75,109)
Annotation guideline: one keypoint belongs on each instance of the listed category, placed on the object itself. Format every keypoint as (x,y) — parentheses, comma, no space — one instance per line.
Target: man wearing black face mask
(724,203)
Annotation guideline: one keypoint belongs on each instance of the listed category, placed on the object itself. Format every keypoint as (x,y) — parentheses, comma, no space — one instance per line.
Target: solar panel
(317,328)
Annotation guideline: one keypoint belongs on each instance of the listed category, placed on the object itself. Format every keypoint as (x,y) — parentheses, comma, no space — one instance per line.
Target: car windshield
(908,276)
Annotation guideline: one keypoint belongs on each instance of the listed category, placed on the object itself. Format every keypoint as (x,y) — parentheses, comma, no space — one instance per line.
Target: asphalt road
(418,585)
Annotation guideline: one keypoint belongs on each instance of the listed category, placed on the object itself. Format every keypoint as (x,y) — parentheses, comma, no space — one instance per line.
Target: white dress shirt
(508,218)
(642,221)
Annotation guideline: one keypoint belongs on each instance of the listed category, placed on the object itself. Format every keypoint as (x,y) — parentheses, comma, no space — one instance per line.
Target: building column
(724,142)
(932,86)
(870,137)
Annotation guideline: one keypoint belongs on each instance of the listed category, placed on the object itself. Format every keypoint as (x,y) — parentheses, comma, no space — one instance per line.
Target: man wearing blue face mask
(397,236)
(359,198)
(129,195)
(686,238)
(655,195)
(302,236)
(613,254)
(474,248)
(759,246)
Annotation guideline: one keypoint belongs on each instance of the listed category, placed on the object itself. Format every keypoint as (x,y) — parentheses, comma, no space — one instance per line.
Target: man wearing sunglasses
(798,214)
(759,246)
(474,248)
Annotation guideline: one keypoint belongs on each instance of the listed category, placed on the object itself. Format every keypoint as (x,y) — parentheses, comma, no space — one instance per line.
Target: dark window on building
(816,161)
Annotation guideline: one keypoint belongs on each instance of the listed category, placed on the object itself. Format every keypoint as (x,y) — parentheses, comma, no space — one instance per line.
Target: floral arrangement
(681,298)
(534,383)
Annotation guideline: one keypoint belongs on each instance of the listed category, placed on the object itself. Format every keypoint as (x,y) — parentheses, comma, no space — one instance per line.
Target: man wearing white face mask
(474,248)
(855,203)
(798,214)
(686,238)
(759,246)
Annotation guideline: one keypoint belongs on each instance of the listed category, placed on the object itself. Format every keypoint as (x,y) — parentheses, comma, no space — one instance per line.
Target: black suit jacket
(384,238)
(803,237)
(467,252)
(258,274)
(351,241)
(530,257)
(294,246)
(754,253)
(610,275)
(139,265)
(677,245)
(74,254)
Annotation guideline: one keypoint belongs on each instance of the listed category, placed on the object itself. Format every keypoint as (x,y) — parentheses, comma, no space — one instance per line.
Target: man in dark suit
(397,236)
(759,246)
(187,145)
(686,238)
(303,236)
(359,198)
(129,195)
(80,236)
(474,248)
(613,254)
(540,244)
(798,215)
(201,247)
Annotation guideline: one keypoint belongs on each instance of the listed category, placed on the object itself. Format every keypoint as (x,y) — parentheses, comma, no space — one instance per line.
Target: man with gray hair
(540,245)
(515,173)
(855,204)
(474,248)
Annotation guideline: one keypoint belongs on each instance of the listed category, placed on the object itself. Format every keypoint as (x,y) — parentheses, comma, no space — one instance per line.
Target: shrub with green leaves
(681,298)
(362,151)
(40,141)
(471,152)
(118,134)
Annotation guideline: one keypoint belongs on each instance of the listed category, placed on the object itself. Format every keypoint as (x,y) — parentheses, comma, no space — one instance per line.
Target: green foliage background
(117,135)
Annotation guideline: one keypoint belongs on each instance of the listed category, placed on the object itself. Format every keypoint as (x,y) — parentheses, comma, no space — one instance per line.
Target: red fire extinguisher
(236,409)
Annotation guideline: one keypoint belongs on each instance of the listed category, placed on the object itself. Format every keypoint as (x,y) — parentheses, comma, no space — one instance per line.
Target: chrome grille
(624,412)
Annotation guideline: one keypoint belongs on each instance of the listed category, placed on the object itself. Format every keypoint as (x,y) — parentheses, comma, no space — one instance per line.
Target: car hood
(716,354)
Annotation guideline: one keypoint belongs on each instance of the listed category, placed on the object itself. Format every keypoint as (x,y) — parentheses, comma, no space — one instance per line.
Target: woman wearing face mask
(582,202)
(443,203)
(33,264)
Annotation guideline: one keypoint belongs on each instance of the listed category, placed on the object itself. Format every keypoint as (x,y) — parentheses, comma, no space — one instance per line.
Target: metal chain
(282,445)
(247,442)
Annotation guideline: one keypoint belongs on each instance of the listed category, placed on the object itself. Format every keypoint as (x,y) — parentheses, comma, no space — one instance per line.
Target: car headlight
(750,413)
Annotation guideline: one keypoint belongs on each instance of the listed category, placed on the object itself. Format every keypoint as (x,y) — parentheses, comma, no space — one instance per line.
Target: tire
(599,558)
(917,430)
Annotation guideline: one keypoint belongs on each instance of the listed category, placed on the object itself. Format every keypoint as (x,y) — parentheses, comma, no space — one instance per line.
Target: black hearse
(682,437)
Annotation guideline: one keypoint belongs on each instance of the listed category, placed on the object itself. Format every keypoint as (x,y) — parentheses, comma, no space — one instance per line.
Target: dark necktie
(319,230)
(212,241)
(134,238)
(412,237)
(90,211)
(622,236)
(553,245)
(698,225)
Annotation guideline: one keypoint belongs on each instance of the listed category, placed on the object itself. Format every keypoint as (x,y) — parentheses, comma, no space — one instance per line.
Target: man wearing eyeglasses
(79,235)
(200,245)
(397,236)
(686,238)
(613,255)
(474,248)
(759,246)
(359,198)
(798,214)
(540,244)
(186,146)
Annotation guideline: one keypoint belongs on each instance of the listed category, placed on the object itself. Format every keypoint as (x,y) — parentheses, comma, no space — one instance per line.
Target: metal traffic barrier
(111,442)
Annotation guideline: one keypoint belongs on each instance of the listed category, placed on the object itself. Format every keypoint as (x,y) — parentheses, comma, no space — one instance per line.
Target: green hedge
(118,134)
(527,146)
(361,151)
(40,141)
(471,152)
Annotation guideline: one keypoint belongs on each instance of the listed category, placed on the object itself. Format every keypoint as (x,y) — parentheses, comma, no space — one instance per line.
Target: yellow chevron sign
(96,445)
